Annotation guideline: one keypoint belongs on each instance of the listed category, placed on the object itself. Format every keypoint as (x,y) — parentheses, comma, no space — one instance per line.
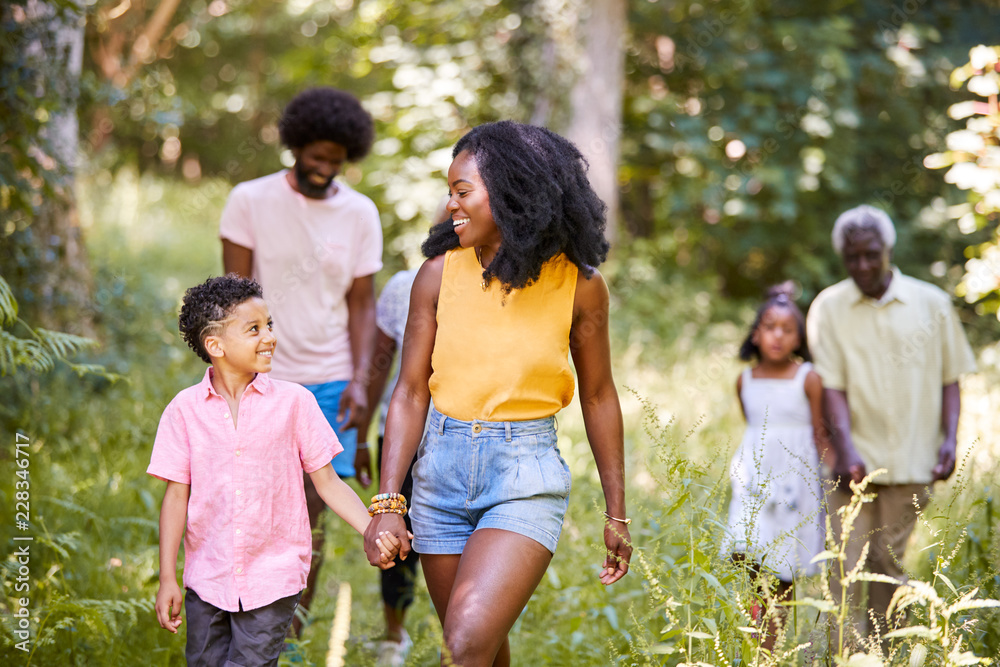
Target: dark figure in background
(508,293)
(314,245)
(890,350)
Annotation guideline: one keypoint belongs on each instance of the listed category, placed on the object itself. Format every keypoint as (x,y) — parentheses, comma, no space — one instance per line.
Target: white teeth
(459,221)
(265,354)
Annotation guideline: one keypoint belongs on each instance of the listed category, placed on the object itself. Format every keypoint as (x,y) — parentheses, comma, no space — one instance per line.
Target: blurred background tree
(43,254)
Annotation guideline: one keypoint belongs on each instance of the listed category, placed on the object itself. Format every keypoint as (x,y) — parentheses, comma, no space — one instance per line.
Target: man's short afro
(328,114)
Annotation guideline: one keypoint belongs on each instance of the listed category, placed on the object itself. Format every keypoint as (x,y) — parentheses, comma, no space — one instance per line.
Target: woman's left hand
(619,545)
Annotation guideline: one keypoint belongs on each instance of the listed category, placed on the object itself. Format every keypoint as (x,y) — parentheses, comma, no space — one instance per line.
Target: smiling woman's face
(469,205)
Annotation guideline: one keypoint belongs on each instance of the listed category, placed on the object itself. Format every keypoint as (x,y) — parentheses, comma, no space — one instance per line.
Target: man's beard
(307,187)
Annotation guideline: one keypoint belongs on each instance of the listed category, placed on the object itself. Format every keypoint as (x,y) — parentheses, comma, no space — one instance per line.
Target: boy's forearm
(173,517)
(340,498)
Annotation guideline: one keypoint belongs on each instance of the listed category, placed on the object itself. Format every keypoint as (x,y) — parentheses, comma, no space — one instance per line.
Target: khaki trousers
(886,523)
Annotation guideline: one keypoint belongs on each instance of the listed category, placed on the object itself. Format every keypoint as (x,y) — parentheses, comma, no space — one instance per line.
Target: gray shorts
(218,638)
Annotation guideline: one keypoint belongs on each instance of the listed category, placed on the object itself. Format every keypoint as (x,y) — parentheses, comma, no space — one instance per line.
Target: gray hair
(865,218)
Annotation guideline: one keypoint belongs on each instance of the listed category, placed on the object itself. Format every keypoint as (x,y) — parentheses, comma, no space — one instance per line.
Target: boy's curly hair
(328,114)
(207,307)
(540,198)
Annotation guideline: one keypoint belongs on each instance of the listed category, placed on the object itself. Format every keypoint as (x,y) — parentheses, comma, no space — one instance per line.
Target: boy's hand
(388,546)
(169,601)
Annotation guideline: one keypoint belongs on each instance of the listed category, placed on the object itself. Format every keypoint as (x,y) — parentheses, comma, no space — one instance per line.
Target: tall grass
(93,569)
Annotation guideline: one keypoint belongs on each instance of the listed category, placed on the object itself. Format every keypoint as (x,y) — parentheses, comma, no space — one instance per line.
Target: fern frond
(96,369)
(8,305)
(63,345)
(16,352)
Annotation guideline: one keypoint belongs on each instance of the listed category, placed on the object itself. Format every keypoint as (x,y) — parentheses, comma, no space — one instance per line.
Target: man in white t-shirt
(314,245)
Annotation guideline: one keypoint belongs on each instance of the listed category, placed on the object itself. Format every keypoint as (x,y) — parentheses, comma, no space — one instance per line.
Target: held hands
(619,546)
(169,601)
(388,547)
(385,538)
(946,461)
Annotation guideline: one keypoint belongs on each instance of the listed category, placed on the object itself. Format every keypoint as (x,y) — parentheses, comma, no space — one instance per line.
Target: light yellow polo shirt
(892,357)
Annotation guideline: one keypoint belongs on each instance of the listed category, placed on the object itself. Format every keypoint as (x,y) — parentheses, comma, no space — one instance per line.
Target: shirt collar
(261,382)
(895,291)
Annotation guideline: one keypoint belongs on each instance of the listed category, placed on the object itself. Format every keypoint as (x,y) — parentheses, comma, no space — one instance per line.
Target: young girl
(774,515)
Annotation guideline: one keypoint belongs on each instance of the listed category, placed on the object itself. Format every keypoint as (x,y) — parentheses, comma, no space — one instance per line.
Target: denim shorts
(478,474)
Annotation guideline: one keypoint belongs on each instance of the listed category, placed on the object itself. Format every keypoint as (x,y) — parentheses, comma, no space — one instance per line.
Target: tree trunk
(596,124)
(52,275)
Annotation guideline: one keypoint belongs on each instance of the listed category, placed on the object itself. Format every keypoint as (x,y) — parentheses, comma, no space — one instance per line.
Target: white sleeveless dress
(775,514)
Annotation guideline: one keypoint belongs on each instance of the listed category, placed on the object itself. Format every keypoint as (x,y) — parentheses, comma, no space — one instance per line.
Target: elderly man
(890,350)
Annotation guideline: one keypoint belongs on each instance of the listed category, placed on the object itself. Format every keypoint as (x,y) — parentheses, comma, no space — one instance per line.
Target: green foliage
(751,125)
(40,349)
(821,107)
(974,157)
(209,107)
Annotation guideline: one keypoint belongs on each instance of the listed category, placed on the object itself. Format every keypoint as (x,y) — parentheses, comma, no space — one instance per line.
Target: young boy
(232,450)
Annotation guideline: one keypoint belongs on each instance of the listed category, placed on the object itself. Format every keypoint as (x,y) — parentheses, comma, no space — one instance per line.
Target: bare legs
(479,594)
(781,592)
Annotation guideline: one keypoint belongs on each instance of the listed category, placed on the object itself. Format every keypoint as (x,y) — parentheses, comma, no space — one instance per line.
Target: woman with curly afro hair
(509,291)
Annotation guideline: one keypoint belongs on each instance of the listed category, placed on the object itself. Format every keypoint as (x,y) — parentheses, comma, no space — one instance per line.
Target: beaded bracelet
(388,496)
(388,503)
(372,511)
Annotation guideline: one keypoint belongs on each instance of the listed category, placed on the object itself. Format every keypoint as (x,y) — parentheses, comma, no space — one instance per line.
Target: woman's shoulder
(591,289)
(428,279)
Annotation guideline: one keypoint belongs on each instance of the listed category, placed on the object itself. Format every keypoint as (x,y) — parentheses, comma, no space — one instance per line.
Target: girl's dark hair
(540,199)
(207,307)
(328,114)
(783,296)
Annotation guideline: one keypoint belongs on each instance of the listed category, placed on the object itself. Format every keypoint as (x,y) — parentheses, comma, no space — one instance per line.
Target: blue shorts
(472,475)
(328,396)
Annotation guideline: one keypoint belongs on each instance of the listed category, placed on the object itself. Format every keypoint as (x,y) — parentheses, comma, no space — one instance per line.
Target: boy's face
(247,341)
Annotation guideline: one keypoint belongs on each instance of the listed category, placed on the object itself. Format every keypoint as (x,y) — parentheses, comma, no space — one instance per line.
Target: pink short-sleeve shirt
(248,538)
(306,255)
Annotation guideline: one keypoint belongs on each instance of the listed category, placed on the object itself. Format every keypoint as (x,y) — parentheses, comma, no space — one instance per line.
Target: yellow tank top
(500,358)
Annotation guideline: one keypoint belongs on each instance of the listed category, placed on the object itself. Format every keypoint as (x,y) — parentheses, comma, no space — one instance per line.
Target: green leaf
(8,305)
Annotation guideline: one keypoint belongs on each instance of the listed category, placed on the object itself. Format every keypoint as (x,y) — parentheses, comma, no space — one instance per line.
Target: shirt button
(237,452)
(476,428)
(226,416)
(239,570)
(238,492)
(239,532)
